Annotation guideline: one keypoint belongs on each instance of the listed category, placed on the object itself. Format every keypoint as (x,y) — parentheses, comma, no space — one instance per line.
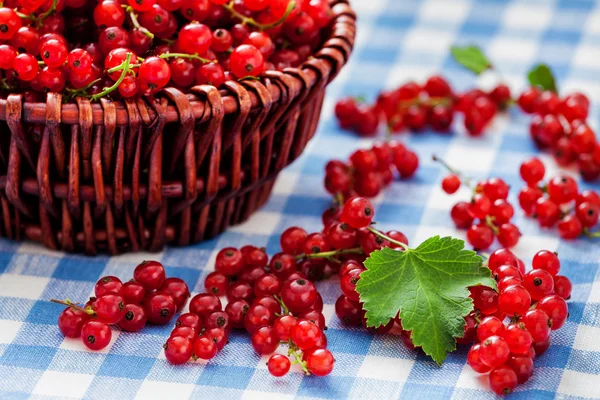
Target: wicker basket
(176,168)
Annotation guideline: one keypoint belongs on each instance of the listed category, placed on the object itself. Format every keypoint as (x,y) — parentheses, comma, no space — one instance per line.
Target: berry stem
(463,178)
(251,21)
(134,21)
(329,254)
(293,351)
(68,303)
(166,56)
(590,234)
(286,310)
(489,221)
(386,237)
(48,13)
(126,68)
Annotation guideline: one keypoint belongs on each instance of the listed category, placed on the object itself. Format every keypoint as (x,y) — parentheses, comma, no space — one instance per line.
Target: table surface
(398,41)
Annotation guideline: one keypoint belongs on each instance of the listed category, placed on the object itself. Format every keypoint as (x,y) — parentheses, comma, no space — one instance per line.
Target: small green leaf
(541,76)
(471,57)
(428,285)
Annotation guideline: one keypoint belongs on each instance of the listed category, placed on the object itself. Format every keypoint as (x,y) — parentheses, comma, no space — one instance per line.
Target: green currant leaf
(471,57)
(541,76)
(428,286)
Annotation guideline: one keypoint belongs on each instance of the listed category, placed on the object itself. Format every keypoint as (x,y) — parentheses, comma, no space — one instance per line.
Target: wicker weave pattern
(178,168)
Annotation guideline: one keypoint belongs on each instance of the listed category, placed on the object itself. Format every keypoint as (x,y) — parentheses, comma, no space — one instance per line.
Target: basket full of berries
(131,124)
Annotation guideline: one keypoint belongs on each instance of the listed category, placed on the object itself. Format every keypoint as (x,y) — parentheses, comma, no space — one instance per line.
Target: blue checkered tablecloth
(398,40)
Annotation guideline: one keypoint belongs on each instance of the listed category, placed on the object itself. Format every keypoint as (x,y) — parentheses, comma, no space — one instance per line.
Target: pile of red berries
(413,106)
(558,202)
(487,215)
(271,300)
(369,170)
(133,47)
(516,323)
(149,297)
(560,126)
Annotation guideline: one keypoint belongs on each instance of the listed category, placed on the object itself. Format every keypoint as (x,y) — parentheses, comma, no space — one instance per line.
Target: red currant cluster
(517,322)
(271,300)
(370,170)
(560,125)
(558,202)
(413,106)
(487,215)
(89,48)
(149,297)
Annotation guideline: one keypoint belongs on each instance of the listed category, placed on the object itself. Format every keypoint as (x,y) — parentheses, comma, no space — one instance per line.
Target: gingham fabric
(398,40)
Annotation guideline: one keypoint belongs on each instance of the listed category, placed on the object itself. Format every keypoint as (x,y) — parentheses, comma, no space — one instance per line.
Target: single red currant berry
(237,310)
(257,317)
(494,351)
(474,360)
(189,320)
(134,319)
(539,283)
(278,365)
(95,335)
(108,284)
(70,322)
(178,289)
(406,162)
(218,335)
(480,206)
(461,215)
(305,334)
(292,240)
(283,326)
(358,212)
(515,300)
(528,198)
(204,304)
(522,365)
(532,171)
(451,183)
(267,285)
(547,212)
(508,235)
(26,67)
(150,274)
(246,60)
(562,286)
(265,340)
(244,290)
(54,53)
(556,308)
(528,98)
(518,338)
(485,299)
(320,362)
(154,74)
(562,189)
(110,308)
(178,349)
(109,13)
(504,283)
(480,236)
(501,211)
(538,324)
(546,260)
(10,23)
(282,265)
(205,347)
(216,283)
(160,308)
(489,326)
(587,214)
(298,295)
(229,261)
(503,380)
(141,5)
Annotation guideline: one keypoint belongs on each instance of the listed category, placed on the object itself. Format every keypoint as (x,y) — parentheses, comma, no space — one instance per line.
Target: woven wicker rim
(336,50)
